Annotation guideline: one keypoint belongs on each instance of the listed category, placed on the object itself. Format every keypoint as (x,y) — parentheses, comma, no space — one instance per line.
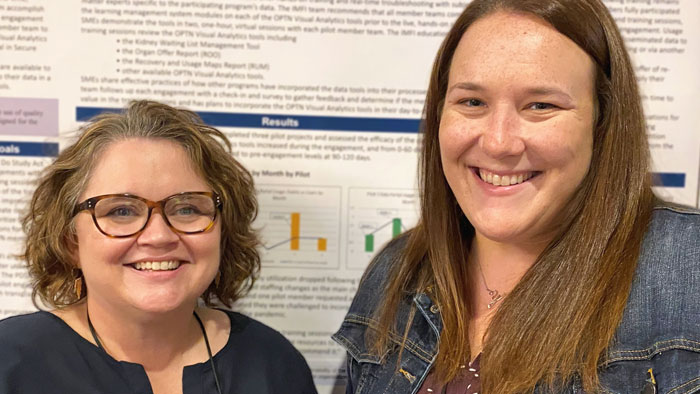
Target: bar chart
(299,225)
(396,230)
(376,216)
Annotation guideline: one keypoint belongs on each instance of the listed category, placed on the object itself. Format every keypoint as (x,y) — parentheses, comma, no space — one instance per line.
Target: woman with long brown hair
(542,261)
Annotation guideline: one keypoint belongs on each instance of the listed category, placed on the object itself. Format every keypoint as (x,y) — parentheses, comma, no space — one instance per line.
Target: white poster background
(329,198)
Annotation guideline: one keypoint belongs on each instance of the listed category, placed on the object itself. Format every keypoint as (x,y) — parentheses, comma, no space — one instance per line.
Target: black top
(40,353)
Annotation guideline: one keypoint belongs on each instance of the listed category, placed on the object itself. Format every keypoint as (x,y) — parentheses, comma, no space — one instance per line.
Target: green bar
(396,231)
(369,243)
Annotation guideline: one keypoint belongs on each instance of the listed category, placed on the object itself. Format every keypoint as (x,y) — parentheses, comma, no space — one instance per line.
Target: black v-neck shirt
(41,354)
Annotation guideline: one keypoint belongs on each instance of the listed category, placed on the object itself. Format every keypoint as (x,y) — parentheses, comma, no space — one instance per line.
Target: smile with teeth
(504,180)
(157,265)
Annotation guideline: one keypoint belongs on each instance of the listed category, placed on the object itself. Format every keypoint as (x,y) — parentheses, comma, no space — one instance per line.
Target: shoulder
(29,343)
(259,344)
(671,227)
(37,335)
(28,330)
(660,328)
(250,333)
(671,245)
(664,302)
(369,297)
(374,370)
(257,354)
(670,254)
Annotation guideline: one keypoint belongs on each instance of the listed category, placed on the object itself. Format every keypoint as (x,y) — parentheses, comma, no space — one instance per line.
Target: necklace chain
(493,293)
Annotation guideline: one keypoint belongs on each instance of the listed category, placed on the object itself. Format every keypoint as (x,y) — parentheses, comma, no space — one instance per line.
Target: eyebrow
(466,86)
(536,91)
(548,91)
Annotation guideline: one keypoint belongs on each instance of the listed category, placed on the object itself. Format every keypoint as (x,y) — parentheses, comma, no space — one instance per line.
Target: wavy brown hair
(558,321)
(49,227)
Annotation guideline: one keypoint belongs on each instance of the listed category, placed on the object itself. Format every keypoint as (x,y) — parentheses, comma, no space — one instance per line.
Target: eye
(472,102)
(541,106)
(123,211)
(186,210)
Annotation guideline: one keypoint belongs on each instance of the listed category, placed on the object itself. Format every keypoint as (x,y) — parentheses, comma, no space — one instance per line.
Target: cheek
(213,249)
(564,146)
(454,137)
(95,248)
(208,247)
(105,251)
(452,147)
(89,246)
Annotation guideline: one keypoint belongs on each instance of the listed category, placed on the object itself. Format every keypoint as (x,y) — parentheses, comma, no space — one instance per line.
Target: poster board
(322,101)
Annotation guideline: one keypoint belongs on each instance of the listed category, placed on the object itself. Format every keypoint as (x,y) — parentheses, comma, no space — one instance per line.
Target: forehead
(152,168)
(507,44)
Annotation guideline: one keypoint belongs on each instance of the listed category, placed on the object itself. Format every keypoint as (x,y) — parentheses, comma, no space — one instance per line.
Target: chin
(157,309)
(522,232)
(494,228)
(160,304)
(498,235)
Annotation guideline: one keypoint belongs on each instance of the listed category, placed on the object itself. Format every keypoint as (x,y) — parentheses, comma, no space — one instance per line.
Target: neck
(152,340)
(500,266)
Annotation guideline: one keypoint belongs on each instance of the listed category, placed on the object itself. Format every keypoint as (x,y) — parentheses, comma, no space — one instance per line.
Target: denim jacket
(660,328)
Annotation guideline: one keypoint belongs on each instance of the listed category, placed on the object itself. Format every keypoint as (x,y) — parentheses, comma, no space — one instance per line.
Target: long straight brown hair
(557,323)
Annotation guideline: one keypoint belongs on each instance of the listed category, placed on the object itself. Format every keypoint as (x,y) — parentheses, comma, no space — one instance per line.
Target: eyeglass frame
(90,203)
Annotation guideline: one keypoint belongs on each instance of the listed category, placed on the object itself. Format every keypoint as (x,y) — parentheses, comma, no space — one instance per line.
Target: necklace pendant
(494,299)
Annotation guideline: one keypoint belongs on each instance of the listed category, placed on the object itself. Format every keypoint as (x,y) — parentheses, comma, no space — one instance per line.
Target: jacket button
(434,308)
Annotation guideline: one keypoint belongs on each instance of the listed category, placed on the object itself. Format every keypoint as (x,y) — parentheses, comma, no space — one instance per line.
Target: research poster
(322,101)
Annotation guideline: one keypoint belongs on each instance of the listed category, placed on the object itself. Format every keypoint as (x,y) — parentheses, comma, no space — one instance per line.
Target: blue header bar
(287,122)
(41,149)
(668,179)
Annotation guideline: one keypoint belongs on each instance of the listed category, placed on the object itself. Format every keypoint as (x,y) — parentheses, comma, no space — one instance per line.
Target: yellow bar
(296,226)
(321,244)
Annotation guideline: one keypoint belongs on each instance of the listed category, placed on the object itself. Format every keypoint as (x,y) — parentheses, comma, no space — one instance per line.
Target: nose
(157,232)
(502,136)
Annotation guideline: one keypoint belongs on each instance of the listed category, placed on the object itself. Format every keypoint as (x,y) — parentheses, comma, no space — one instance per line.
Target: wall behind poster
(322,101)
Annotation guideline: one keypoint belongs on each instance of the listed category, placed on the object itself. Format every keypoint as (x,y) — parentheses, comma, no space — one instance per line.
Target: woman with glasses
(134,233)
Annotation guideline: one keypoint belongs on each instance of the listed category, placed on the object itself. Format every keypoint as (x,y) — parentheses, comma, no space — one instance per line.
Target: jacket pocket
(675,365)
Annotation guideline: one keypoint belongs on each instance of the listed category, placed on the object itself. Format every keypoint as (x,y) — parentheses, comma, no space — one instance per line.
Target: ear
(72,249)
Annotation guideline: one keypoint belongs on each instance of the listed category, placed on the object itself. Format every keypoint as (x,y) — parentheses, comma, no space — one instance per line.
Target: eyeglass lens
(120,216)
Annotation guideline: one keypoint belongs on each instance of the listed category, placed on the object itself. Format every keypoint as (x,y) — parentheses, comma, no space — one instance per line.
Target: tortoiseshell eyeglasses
(124,215)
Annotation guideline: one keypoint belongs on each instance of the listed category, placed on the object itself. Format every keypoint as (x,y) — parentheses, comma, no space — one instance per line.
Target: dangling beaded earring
(217,280)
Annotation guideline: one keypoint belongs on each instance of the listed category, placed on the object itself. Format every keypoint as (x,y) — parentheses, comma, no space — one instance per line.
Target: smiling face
(516,129)
(153,169)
